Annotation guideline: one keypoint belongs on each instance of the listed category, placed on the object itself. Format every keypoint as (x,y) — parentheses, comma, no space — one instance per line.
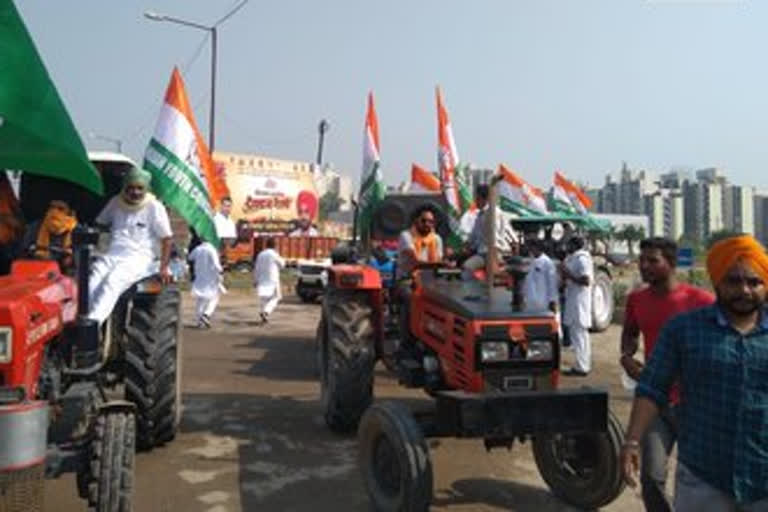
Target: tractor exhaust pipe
(85,239)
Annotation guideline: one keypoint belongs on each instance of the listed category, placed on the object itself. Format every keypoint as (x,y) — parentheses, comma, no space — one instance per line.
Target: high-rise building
(703,206)
(761,215)
(739,209)
(627,195)
(665,213)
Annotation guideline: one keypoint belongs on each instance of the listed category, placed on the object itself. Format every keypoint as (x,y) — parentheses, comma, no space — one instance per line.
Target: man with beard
(719,356)
(138,223)
(647,310)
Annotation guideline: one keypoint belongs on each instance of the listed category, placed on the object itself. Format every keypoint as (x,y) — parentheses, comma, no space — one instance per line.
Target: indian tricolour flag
(453,176)
(423,181)
(568,197)
(372,188)
(519,197)
(183,175)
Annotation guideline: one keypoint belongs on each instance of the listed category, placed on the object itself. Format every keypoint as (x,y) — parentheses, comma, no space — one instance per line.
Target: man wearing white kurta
(540,288)
(577,313)
(266,278)
(138,224)
(207,286)
(225,226)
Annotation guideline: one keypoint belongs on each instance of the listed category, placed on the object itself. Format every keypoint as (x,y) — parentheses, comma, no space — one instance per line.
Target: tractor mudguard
(117,406)
(354,277)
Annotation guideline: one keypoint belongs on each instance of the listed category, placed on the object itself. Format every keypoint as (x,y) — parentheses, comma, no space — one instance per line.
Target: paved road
(253,437)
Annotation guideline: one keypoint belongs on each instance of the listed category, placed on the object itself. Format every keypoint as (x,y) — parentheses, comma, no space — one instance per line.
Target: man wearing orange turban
(719,356)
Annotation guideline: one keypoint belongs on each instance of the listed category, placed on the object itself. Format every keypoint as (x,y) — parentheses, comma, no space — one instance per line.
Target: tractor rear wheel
(394,459)
(111,463)
(602,301)
(584,469)
(346,358)
(153,366)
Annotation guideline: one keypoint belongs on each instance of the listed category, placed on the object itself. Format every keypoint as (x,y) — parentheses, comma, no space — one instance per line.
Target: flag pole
(490,233)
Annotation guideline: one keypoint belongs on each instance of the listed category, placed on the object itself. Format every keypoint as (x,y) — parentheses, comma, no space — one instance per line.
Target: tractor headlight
(539,350)
(492,351)
(6,345)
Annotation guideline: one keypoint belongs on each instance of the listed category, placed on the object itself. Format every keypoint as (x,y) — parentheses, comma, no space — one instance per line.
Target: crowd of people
(702,382)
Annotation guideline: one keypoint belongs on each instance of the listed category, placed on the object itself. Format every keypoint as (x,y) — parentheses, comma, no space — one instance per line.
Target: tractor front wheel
(583,469)
(346,357)
(394,459)
(111,463)
(153,366)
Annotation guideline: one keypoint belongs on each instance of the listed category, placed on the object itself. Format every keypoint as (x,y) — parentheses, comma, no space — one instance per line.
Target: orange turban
(725,253)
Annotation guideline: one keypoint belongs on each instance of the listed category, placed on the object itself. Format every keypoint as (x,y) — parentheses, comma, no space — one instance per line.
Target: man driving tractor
(137,222)
(418,244)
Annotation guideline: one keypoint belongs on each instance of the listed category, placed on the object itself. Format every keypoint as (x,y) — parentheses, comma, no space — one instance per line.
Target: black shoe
(573,372)
(263,318)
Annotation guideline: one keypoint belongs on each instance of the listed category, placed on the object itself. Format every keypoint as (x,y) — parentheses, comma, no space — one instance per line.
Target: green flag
(36,132)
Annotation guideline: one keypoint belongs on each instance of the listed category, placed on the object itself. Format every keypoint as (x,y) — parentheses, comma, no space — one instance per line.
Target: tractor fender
(354,277)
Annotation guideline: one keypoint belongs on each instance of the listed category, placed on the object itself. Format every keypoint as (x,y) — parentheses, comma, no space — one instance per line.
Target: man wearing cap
(138,224)
(719,356)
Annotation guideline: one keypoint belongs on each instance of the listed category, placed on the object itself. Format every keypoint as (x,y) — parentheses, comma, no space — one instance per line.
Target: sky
(540,85)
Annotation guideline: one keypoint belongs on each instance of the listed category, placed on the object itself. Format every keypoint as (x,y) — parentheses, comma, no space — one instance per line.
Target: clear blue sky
(577,85)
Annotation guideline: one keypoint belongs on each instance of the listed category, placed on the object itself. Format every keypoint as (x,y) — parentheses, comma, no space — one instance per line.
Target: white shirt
(135,234)
(477,237)
(225,227)
(208,270)
(266,272)
(578,298)
(311,231)
(540,287)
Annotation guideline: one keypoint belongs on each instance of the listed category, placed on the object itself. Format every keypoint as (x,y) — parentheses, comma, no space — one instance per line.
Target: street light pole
(322,128)
(214,49)
(117,142)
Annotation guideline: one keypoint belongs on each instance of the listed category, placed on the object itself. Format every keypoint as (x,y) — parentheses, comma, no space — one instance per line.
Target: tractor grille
(311,270)
(22,490)
(459,357)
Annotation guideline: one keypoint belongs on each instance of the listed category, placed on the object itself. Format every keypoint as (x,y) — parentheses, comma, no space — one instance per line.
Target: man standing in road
(225,226)
(138,223)
(647,310)
(719,356)
(266,278)
(540,288)
(577,273)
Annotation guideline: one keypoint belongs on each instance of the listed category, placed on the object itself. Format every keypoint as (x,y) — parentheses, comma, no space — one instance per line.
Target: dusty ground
(253,438)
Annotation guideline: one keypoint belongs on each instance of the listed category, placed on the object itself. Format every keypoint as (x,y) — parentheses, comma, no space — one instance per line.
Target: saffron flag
(372,188)
(568,197)
(183,175)
(453,175)
(423,181)
(519,197)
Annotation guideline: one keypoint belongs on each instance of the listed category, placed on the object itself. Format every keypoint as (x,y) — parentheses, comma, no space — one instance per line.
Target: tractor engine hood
(36,301)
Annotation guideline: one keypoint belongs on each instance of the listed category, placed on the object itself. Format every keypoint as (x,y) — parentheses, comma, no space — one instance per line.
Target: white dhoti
(269,297)
(206,306)
(582,347)
(111,276)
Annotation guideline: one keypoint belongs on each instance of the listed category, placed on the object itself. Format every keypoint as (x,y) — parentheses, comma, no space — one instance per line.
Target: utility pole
(322,128)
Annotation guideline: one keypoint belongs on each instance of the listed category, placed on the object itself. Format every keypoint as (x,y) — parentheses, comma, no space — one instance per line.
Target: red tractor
(74,396)
(492,370)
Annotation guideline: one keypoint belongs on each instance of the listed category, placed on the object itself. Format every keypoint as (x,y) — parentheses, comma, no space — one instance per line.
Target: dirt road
(253,437)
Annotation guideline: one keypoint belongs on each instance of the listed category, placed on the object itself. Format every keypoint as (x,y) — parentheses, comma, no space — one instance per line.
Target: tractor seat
(470,299)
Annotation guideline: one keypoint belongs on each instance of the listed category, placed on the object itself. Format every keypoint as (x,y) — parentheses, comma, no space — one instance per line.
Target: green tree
(329,202)
(630,234)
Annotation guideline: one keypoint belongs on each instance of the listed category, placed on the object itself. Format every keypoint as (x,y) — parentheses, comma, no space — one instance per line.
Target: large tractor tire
(111,463)
(583,470)
(346,357)
(153,366)
(602,301)
(394,459)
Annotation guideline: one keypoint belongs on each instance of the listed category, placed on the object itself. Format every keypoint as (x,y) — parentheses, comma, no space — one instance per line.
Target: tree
(630,234)
(716,236)
(329,202)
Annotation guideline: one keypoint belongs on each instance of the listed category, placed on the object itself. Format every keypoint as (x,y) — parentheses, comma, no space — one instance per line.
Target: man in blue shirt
(719,356)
